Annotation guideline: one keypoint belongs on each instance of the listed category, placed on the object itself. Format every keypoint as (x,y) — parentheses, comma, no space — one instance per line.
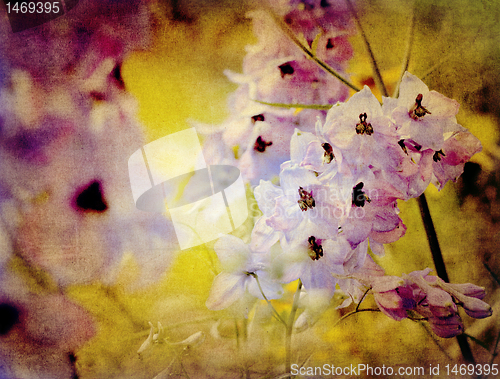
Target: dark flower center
(315,248)
(306,200)
(117,75)
(401,143)
(330,44)
(261,145)
(363,127)
(258,117)
(286,69)
(418,111)
(91,199)
(328,156)
(9,316)
(358,196)
(437,155)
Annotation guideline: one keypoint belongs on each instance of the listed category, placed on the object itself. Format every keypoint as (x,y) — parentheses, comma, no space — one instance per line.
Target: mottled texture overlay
(93,287)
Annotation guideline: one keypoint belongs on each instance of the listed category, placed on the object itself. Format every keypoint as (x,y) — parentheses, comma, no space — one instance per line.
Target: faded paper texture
(92,286)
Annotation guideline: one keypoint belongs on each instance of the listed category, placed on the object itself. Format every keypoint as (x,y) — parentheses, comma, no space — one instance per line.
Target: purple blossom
(422,115)
(429,297)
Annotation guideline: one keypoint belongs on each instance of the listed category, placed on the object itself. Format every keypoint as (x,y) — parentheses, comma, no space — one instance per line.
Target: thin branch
(437,257)
(353,313)
(303,106)
(237,331)
(376,72)
(289,329)
(362,298)
(275,312)
(493,275)
(409,44)
(479,342)
(307,51)
(494,354)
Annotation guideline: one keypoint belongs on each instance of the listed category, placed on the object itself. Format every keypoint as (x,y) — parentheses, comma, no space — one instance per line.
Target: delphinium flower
(64,153)
(244,271)
(420,295)
(68,127)
(39,332)
(339,191)
(276,71)
(427,127)
(366,137)
(317,261)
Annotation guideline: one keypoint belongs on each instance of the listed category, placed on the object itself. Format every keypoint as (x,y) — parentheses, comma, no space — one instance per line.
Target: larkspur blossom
(419,294)
(340,172)
(424,116)
(366,138)
(355,168)
(241,268)
(275,71)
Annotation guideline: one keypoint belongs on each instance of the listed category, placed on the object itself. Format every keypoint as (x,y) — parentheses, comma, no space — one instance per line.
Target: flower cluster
(429,297)
(338,190)
(256,136)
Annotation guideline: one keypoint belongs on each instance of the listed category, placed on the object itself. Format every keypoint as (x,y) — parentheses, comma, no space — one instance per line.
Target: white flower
(242,267)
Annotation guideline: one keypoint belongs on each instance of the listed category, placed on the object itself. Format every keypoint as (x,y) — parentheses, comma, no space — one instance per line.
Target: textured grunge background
(82,271)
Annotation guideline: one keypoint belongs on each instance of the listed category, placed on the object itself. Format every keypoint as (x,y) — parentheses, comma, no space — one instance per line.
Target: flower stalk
(289,328)
(438,260)
(376,72)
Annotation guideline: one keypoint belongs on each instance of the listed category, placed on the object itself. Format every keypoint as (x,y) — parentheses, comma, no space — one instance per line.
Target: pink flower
(422,115)
(364,135)
(448,163)
(430,297)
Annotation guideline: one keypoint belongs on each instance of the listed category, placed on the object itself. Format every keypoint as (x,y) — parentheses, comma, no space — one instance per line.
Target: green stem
(353,313)
(493,275)
(302,106)
(289,329)
(494,354)
(275,312)
(237,331)
(362,298)
(307,51)
(376,72)
(437,257)
(409,44)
